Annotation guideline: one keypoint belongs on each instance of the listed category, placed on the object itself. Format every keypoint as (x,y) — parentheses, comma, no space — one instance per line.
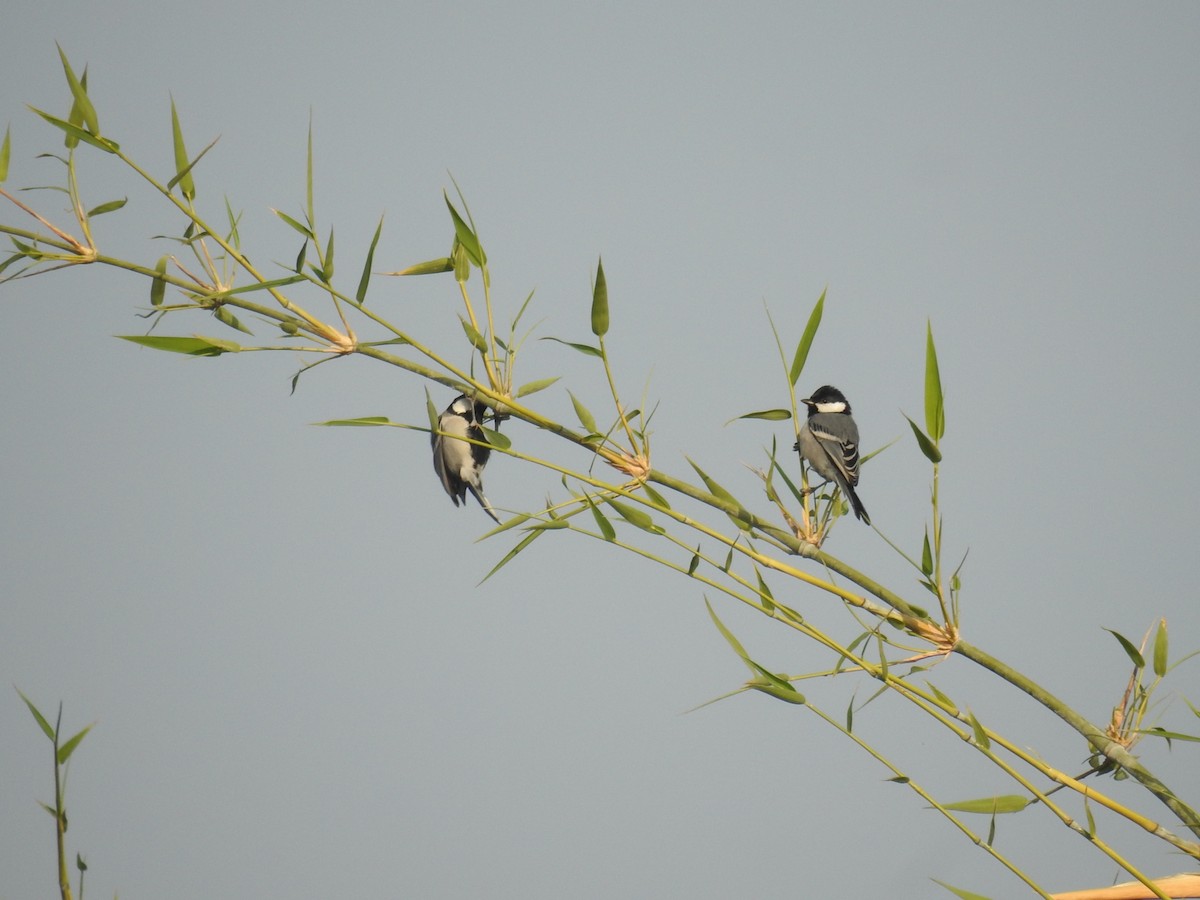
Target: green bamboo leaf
(431,411)
(5,153)
(935,413)
(434,266)
(82,104)
(186,171)
(981,737)
(183,175)
(262,285)
(810,332)
(309,208)
(362,420)
(477,340)
(658,499)
(634,516)
(1160,649)
(307,232)
(926,556)
(521,545)
(192,346)
(600,303)
(327,269)
(466,237)
(1131,651)
(585,417)
(586,349)
(720,493)
(771,415)
(777,687)
(728,635)
(496,439)
(1000,805)
(946,701)
(80,864)
(534,386)
(365,280)
(932,453)
(65,751)
(158,287)
(225,317)
(38,717)
(299,267)
(110,206)
(605,526)
(74,131)
(695,563)
(959,892)
(764,590)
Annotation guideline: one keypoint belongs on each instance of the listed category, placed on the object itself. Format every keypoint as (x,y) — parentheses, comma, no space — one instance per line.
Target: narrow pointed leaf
(810,332)
(38,717)
(158,287)
(600,303)
(186,171)
(110,206)
(431,411)
(74,131)
(1131,651)
(586,349)
(728,635)
(477,340)
(445,264)
(981,737)
(365,281)
(926,557)
(534,386)
(307,232)
(466,237)
(771,415)
(1160,649)
(764,590)
(1008,803)
(932,453)
(605,526)
(65,751)
(658,499)
(192,346)
(361,420)
(182,170)
(5,153)
(585,417)
(327,269)
(719,492)
(82,102)
(935,413)
(521,545)
(225,317)
(634,516)
(695,563)
(946,701)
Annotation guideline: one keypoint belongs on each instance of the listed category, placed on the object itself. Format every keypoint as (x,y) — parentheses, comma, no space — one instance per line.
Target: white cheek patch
(835,406)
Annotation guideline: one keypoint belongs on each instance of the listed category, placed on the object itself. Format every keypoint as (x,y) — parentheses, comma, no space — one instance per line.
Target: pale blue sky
(299,690)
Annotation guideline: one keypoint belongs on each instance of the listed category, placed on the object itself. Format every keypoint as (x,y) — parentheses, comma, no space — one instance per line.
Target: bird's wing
(841,451)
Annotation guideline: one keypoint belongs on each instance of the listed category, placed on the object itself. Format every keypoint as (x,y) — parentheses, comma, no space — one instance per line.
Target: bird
(459,464)
(828,441)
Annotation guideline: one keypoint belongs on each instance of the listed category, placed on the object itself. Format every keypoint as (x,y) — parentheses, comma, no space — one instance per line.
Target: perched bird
(459,464)
(829,442)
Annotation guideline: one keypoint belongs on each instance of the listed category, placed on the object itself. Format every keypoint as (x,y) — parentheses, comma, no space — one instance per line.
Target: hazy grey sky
(300,691)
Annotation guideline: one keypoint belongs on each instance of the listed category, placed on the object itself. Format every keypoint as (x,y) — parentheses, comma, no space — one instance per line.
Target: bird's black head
(827,399)
(471,411)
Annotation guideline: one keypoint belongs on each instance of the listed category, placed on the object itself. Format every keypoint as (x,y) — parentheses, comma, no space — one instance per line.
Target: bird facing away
(460,464)
(829,443)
